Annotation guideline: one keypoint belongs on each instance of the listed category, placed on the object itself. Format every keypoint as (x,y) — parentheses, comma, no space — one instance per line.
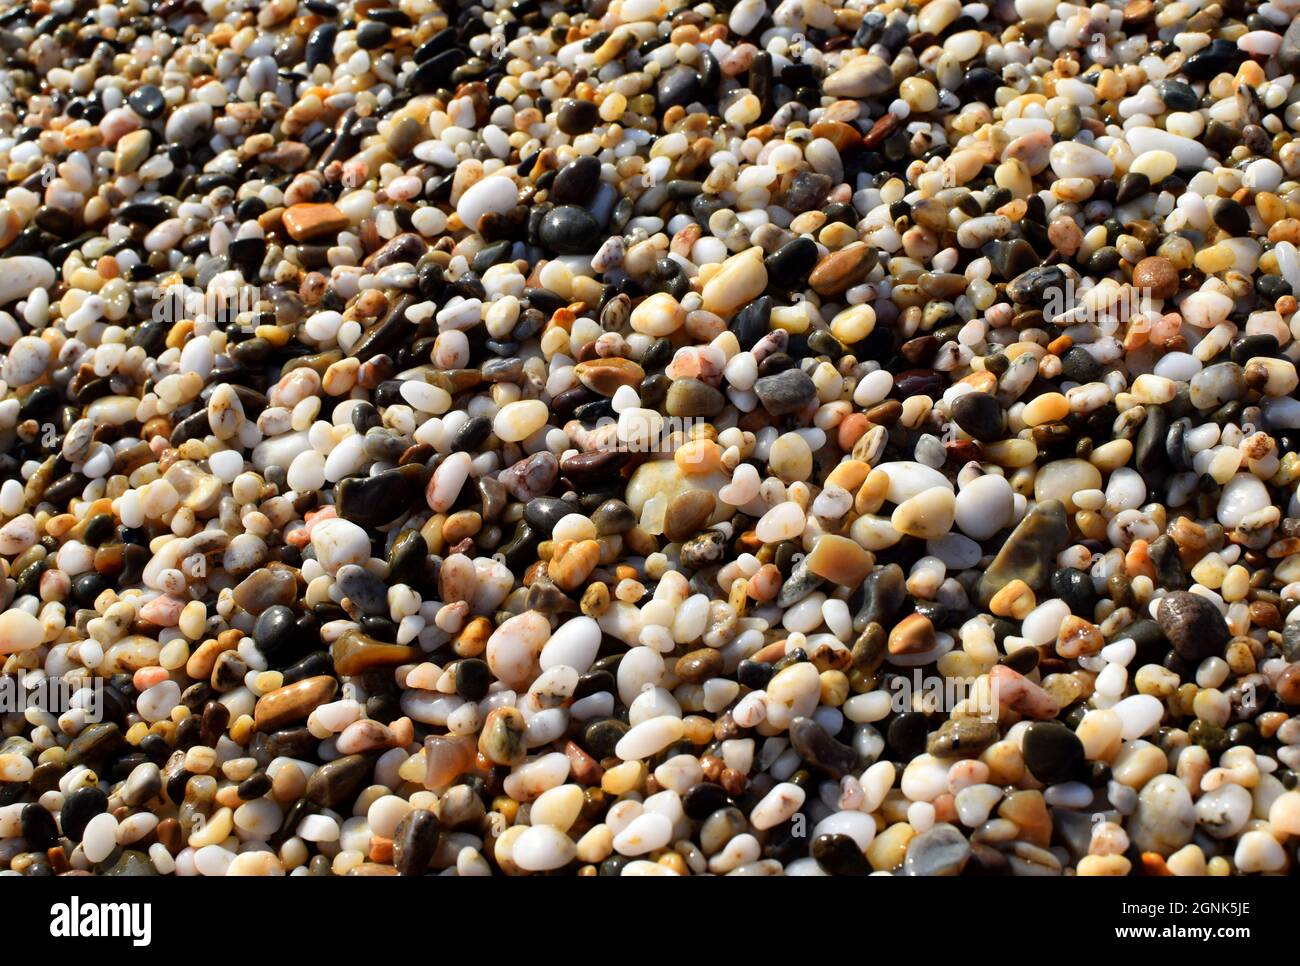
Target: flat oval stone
(688,513)
(415,841)
(1194,626)
(337,782)
(1030,552)
(576,182)
(843,269)
(938,851)
(264,588)
(292,702)
(786,392)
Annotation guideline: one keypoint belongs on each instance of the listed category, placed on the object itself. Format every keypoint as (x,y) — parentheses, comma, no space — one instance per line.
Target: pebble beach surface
(635,437)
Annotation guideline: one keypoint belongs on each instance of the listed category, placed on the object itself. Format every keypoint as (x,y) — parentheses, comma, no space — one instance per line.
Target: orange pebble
(853,427)
(1154,864)
(147,677)
(1137,562)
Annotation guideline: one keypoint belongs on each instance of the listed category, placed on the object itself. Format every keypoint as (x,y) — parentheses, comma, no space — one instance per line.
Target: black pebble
(1052,751)
(147,101)
(79,808)
(576,116)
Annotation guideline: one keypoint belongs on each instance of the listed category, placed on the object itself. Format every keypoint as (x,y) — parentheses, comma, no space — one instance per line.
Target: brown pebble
(308,221)
(688,513)
(699,665)
(607,376)
(843,269)
(293,702)
(914,633)
(1157,275)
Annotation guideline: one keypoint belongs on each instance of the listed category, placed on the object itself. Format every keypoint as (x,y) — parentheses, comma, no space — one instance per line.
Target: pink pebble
(117,123)
(164,611)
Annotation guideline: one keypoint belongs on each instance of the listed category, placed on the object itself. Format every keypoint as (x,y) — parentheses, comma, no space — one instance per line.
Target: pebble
(551,458)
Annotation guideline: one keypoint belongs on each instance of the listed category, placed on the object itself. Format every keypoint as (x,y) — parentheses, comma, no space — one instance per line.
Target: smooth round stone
(984,506)
(786,392)
(570,230)
(688,513)
(275,630)
(1223,812)
(21,274)
(514,647)
(576,116)
(937,15)
(1070,159)
(839,560)
(574,644)
(99,839)
(979,415)
(693,397)
(678,87)
(1052,751)
(1155,166)
(790,458)
(1193,625)
(907,479)
(939,851)
(741,279)
(836,855)
(147,101)
(19,631)
(1157,276)
(495,194)
(1061,479)
(785,521)
(363,588)
(1190,154)
(928,515)
(337,782)
(79,807)
(517,421)
(1259,851)
(1043,623)
(339,542)
(863,76)
(649,738)
(542,848)
(415,841)
(39,829)
(859,826)
(27,361)
(1242,495)
(1214,385)
(645,833)
(790,264)
(1139,715)
(576,182)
